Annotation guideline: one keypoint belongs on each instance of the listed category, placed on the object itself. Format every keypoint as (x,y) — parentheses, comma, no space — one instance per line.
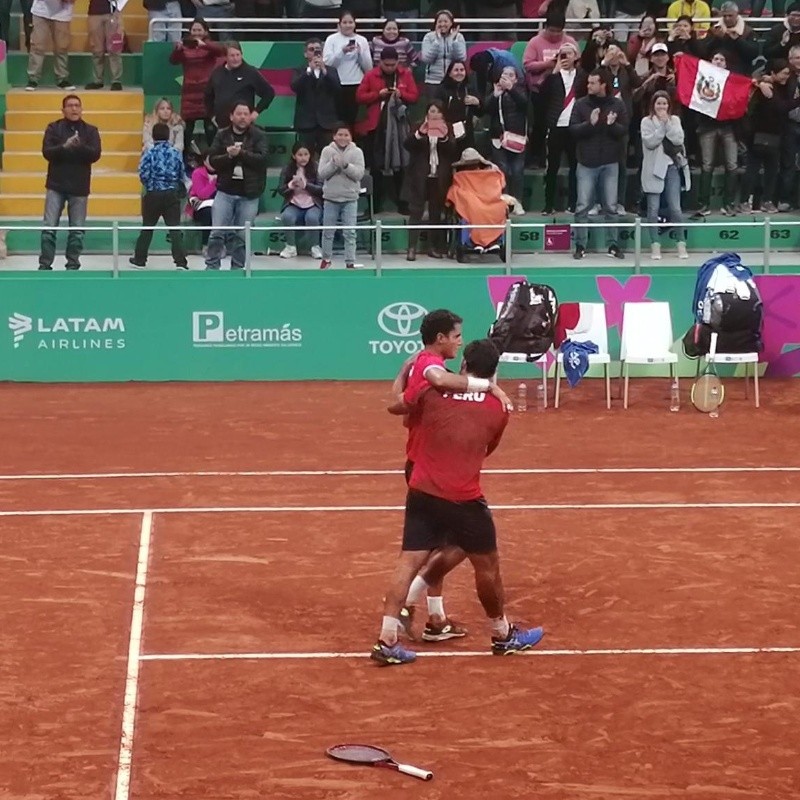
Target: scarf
(433,156)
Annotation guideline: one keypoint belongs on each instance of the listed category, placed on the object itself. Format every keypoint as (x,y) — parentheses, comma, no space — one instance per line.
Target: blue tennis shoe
(388,655)
(517,641)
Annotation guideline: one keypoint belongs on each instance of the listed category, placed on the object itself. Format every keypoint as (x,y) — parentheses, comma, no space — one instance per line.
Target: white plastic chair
(738,358)
(524,358)
(593,328)
(646,339)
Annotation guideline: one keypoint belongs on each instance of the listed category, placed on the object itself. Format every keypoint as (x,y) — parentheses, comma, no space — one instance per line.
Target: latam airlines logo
(19,325)
(401,322)
(67,333)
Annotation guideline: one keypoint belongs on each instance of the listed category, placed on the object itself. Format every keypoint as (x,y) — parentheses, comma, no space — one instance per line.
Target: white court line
(123,785)
(68,512)
(375,472)
(635,651)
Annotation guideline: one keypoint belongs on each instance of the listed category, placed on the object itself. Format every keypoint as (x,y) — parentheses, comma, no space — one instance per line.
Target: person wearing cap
(385,90)
(661,78)
(696,9)
(562,87)
(784,36)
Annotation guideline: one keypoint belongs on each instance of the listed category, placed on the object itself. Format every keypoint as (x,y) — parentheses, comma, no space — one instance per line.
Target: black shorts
(432,522)
(409,468)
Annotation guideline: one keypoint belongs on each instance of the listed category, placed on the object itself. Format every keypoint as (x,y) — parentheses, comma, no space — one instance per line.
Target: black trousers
(560,143)
(315,139)
(154,206)
(435,197)
(348,107)
(209,129)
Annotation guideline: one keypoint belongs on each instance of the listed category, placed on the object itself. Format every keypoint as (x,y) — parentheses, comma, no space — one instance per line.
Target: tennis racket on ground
(374,757)
(708,391)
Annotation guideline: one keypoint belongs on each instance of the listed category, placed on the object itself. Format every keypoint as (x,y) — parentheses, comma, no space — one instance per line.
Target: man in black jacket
(238,154)
(317,89)
(70,147)
(598,125)
(236,81)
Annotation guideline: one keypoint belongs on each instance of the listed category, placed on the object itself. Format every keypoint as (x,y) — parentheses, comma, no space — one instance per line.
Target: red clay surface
(555,727)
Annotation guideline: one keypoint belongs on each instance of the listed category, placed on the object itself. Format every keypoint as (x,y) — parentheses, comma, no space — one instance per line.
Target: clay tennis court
(261,523)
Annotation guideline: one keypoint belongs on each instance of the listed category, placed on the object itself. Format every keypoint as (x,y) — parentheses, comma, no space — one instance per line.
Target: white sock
(389,630)
(436,606)
(500,627)
(416,591)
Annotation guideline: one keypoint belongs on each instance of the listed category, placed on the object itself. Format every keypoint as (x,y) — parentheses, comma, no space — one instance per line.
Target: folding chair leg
(544,383)
(747,379)
(625,389)
(558,384)
(621,368)
(608,386)
(755,384)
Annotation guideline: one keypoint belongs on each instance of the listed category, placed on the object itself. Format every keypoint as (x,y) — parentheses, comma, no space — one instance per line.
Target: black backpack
(526,321)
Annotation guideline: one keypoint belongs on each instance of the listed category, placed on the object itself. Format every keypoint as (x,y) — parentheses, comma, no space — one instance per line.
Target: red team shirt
(415,385)
(451,438)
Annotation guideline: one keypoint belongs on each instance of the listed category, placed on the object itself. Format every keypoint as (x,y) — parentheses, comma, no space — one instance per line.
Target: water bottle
(675,396)
(522,397)
(714,413)
(541,398)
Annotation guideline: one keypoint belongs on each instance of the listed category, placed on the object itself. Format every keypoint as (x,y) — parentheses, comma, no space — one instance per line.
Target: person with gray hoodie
(440,48)
(341,168)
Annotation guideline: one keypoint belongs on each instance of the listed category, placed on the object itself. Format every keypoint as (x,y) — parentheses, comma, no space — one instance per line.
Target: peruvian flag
(711,90)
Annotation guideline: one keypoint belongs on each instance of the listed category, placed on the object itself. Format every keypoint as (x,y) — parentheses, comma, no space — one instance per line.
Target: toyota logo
(401,319)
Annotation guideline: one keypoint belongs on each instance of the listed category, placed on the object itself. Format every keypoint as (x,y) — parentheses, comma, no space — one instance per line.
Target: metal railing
(378,228)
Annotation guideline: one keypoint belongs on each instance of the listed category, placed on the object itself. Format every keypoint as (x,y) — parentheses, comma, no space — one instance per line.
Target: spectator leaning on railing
(70,147)
(161,174)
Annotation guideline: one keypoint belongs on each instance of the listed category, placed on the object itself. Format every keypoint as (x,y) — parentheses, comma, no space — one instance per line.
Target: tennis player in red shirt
(445,505)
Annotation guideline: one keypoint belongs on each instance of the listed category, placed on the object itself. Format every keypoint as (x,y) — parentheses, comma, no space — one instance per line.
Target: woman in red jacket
(199,55)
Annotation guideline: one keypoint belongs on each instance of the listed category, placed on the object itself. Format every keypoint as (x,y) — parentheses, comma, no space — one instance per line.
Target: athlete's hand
(502,397)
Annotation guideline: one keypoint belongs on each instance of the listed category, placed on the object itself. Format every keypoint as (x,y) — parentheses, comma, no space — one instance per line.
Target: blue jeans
(293,215)
(54,203)
(597,183)
(672,201)
(229,209)
(513,167)
(167,31)
(344,215)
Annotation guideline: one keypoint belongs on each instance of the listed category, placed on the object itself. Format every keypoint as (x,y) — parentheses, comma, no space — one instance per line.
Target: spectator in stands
(105,42)
(214,9)
(348,53)
(199,55)
(683,39)
(262,10)
(70,146)
(401,9)
(631,10)
(239,157)
(714,134)
(790,170)
(461,102)
(235,83)
(317,88)
(433,150)
(164,31)
(693,9)
(539,60)
(507,110)
(622,82)
(769,109)
(562,87)
(386,91)
(641,43)
(51,23)
(582,9)
(322,8)
(595,50)
(757,7)
(201,197)
(662,166)
(161,174)
(598,124)
(661,78)
(341,168)
(163,112)
(392,36)
(440,47)
(783,36)
(301,190)
(734,38)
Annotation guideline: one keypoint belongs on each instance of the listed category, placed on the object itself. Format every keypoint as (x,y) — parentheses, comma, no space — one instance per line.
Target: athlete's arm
(492,446)
(399,385)
(399,407)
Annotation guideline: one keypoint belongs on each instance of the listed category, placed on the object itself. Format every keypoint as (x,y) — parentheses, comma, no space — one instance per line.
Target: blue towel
(576,359)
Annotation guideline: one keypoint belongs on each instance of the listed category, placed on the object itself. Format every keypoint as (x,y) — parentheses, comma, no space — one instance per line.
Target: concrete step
(49,100)
(103,183)
(34,121)
(110,161)
(130,141)
(32,205)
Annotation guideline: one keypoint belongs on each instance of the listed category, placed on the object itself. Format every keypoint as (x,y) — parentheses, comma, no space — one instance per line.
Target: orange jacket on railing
(476,196)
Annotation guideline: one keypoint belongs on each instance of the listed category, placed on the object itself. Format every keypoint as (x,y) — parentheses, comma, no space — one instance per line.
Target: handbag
(769,141)
(513,142)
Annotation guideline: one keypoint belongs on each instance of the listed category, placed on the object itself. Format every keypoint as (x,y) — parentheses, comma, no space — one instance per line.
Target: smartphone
(352,43)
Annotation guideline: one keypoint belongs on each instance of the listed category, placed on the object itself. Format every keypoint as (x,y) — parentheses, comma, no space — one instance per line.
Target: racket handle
(422,774)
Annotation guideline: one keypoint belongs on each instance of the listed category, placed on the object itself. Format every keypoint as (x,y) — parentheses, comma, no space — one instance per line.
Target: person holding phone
(348,53)
(317,88)
(458,95)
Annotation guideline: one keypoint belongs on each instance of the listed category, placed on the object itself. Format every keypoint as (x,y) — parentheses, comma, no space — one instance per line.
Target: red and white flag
(710,90)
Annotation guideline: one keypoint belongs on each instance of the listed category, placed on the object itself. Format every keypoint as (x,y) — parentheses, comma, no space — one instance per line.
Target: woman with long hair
(301,190)
(640,44)
(662,164)
(428,176)
(163,111)
(348,53)
(458,95)
(440,47)
(199,55)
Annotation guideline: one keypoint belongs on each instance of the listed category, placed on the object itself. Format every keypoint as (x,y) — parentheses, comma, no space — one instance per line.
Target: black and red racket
(374,757)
